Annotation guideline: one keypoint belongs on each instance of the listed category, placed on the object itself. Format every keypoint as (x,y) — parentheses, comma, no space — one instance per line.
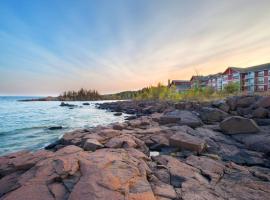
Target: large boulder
(237,124)
(260,113)
(123,141)
(232,102)
(222,105)
(209,115)
(71,173)
(92,145)
(181,117)
(187,142)
(246,101)
(263,102)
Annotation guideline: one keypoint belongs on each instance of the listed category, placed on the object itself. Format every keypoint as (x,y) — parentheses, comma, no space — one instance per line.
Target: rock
(112,174)
(188,142)
(164,190)
(130,117)
(255,142)
(244,111)
(159,141)
(264,102)
(263,122)
(246,101)
(236,125)
(209,115)
(92,145)
(221,104)
(123,141)
(181,117)
(232,102)
(211,168)
(67,105)
(86,104)
(117,114)
(119,126)
(260,113)
(55,127)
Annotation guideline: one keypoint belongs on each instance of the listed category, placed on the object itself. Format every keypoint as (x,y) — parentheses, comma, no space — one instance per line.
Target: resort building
(215,81)
(181,85)
(256,78)
(199,81)
(232,75)
(250,79)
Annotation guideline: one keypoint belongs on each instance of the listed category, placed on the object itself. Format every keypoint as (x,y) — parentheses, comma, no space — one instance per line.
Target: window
(260,88)
(260,73)
(260,80)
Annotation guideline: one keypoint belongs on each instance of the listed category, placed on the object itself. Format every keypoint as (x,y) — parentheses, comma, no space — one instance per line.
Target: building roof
(252,68)
(258,67)
(180,82)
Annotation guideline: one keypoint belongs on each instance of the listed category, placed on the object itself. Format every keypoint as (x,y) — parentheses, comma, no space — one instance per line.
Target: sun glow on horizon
(47,47)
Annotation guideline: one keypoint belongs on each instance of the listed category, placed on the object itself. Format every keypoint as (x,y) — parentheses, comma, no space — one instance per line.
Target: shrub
(232,88)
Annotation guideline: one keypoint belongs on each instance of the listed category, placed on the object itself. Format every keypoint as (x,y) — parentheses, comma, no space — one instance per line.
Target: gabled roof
(196,77)
(249,69)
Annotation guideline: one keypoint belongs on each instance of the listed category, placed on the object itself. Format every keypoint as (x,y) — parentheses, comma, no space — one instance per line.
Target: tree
(232,88)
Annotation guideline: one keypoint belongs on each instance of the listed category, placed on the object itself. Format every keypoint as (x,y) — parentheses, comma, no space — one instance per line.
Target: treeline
(81,95)
(162,92)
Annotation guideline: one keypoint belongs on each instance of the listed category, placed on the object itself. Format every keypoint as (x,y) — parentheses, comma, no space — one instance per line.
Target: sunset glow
(47,47)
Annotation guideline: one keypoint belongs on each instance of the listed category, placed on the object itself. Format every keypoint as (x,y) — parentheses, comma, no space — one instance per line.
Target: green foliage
(232,88)
(161,92)
(81,95)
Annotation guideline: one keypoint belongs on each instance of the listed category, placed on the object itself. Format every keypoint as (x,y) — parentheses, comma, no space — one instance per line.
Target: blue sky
(47,47)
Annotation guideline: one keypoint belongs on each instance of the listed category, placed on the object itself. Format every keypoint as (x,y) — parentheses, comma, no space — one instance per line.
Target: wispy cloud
(128,44)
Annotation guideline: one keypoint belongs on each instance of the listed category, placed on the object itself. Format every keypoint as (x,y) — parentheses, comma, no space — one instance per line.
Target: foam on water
(24,125)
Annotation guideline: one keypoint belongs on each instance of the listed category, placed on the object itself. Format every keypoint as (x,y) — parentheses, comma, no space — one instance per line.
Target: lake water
(24,125)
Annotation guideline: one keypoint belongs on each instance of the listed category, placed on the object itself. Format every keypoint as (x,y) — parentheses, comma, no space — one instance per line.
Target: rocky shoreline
(164,151)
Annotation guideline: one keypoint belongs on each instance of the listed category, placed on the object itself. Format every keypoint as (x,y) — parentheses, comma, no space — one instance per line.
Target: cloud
(127,45)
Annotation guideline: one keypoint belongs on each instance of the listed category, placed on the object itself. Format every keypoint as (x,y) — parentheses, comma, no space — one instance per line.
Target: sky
(47,47)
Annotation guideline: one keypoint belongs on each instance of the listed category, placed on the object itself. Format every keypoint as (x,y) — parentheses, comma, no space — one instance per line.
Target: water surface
(24,125)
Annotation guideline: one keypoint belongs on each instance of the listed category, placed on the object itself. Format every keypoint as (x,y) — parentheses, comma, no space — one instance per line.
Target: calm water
(24,125)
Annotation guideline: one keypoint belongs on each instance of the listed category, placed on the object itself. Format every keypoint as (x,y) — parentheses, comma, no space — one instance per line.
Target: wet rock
(188,142)
(92,145)
(236,125)
(63,104)
(55,127)
(117,114)
(86,104)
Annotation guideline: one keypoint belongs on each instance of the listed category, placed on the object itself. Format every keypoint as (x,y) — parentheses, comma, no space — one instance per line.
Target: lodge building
(250,79)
